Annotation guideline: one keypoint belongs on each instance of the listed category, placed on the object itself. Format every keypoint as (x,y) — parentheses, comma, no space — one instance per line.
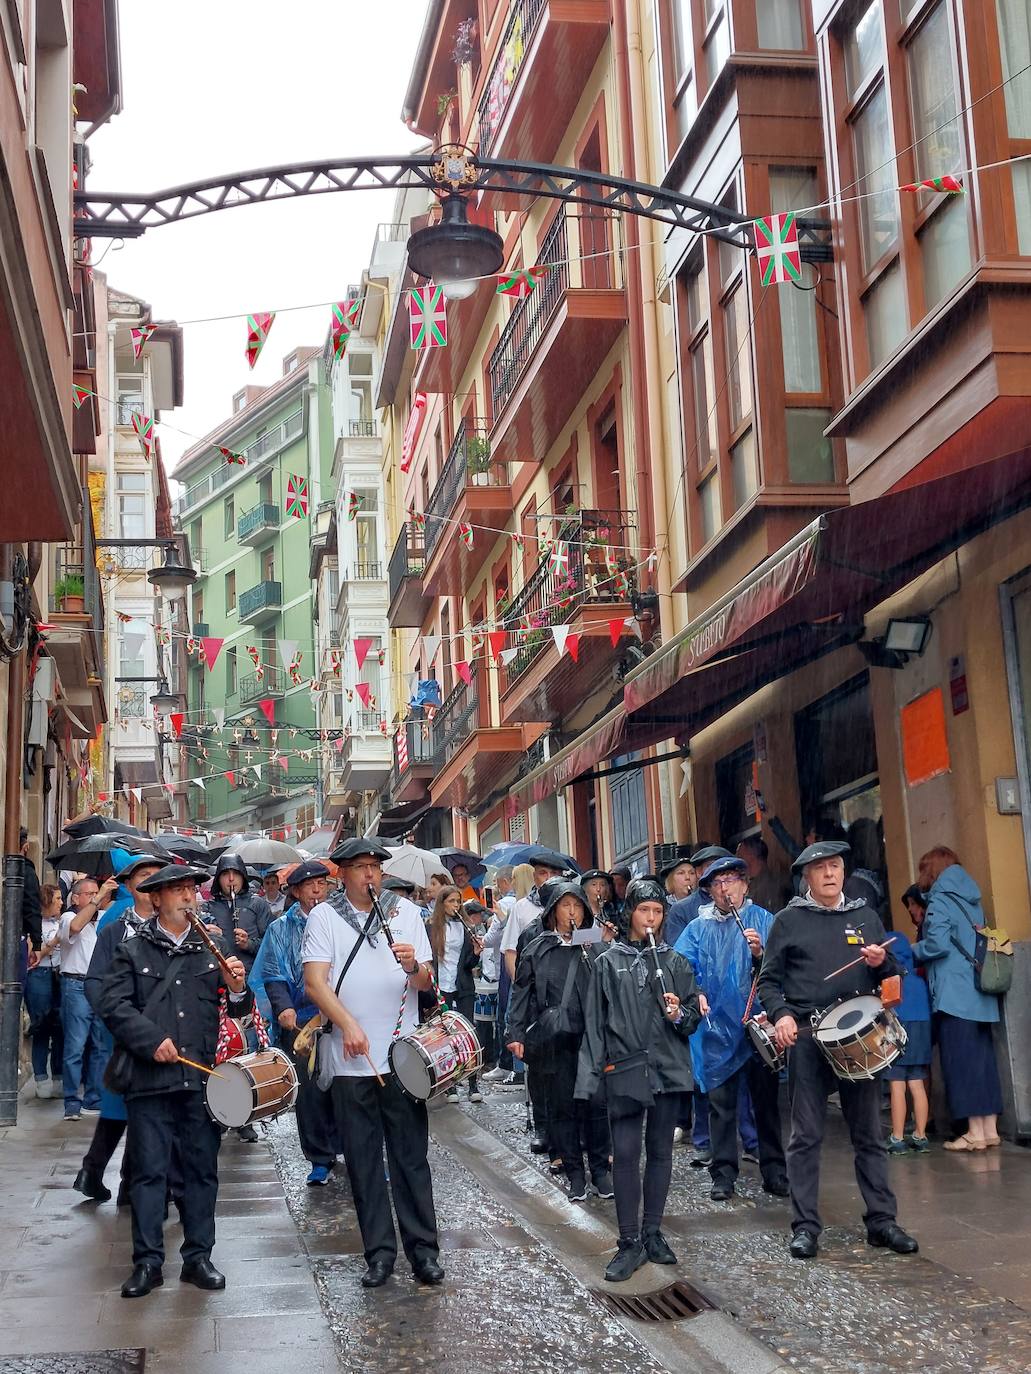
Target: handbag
(558,1027)
(992,960)
(119,1068)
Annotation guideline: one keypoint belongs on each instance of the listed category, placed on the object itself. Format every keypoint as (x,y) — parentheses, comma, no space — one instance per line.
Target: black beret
(174,873)
(311,868)
(822,849)
(359,849)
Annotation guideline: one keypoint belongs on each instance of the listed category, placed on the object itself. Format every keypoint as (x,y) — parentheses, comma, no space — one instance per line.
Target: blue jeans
(43,1002)
(82,1028)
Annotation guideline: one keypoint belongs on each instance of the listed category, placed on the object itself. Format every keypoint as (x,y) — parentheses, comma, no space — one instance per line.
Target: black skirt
(968,1063)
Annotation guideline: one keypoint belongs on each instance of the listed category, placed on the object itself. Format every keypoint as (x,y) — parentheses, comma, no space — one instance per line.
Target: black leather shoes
(722,1192)
(778,1187)
(428,1272)
(656,1248)
(92,1185)
(377,1274)
(892,1237)
(142,1279)
(538,1145)
(202,1274)
(803,1245)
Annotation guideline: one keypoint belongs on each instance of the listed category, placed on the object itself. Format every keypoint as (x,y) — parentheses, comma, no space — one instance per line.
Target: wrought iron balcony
(454,723)
(201,629)
(257,523)
(599,569)
(419,759)
(404,578)
(519,31)
(261,601)
(253,688)
(469,463)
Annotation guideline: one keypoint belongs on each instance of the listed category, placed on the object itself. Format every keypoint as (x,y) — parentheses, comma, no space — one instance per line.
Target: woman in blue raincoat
(724,946)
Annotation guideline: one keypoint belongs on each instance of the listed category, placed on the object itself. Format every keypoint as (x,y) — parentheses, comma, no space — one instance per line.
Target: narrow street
(523,1265)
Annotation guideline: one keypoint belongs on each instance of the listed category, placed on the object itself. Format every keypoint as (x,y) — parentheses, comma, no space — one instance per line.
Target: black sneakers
(628,1258)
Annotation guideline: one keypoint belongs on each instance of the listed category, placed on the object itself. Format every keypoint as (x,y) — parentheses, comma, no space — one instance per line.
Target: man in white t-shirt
(79,1021)
(378,1000)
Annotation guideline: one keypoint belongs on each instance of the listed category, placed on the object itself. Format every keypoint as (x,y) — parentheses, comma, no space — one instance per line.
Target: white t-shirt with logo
(373,987)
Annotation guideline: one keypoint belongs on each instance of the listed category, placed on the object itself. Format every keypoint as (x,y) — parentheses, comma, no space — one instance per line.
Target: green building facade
(254,591)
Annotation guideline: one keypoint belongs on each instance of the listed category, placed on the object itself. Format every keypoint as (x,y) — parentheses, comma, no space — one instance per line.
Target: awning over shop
(805,601)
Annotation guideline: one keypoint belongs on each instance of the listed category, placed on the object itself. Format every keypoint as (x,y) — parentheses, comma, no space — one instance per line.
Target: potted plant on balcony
(69,594)
(477,457)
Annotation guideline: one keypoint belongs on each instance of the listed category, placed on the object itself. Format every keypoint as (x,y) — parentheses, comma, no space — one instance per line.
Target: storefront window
(735,796)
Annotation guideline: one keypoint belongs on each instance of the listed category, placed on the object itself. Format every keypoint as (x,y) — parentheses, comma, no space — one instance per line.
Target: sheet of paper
(588,935)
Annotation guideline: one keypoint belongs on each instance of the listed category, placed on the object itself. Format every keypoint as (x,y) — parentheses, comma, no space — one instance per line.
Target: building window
(739,355)
(885,309)
(682,91)
(268,566)
(703,386)
(790,187)
(131,495)
(229,518)
(1015,44)
(864,48)
(230,592)
(875,172)
(709,506)
(230,671)
(779,24)
(945,250)
(130,397)
(716,43)
(265,489)
(735,794)
(810,454)
(366,534)
(743,469)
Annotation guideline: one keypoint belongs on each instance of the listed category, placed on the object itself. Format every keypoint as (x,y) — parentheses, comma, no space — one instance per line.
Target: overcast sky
(217,86)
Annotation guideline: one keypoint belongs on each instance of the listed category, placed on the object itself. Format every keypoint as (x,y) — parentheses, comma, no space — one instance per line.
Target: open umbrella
(92,853)
(503,854)
(413,864)
(100,825)
(267,853)
(231,842)
(186,846)
(450,857)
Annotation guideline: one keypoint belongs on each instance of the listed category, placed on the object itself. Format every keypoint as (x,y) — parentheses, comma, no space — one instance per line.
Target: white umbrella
(412,864)
(267,853)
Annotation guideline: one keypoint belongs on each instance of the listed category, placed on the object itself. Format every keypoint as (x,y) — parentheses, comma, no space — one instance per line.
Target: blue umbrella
(503,854)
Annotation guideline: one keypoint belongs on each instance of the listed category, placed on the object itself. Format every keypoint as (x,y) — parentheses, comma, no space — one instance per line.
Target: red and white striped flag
(402,748)
(411,433)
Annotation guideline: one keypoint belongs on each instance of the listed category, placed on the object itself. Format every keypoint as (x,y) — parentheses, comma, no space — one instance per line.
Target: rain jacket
(723,964)
(809,941)
(625,1028)
(953,910)
(277,974)
(539,983)
(243,911)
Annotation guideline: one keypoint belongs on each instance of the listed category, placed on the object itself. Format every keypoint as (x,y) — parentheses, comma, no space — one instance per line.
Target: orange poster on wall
(925,744)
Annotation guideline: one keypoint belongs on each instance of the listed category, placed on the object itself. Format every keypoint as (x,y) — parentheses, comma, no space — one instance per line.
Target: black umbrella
(186,847)
(101,825)
(92,853)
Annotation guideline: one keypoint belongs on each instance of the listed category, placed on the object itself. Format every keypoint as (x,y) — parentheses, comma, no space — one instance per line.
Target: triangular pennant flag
(256,769)
(573,645)
(220,715)
(133,643)
(685,783)
(144,427)
(211,648)
(177,723)
(231,456)
(231,777)
(507,655)
(954,184)
(353,309)
(297,496)
(361,651)
(139,339)
(465,534)
(464,671)
(561,634)
(268,709)
(364,691)
(137,792)
(287,651)
(776,249)
(427,317)
(521,283)
(340,329)
(284,764)
(258,326)
(616,628)
(496,640)
(338,744)
(80,394)
(430,645)
(199,782)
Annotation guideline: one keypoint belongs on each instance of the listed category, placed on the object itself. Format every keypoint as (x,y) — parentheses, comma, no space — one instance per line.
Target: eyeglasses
(726,879)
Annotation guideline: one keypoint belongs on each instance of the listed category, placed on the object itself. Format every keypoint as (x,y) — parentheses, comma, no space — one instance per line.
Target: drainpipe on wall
(13,863)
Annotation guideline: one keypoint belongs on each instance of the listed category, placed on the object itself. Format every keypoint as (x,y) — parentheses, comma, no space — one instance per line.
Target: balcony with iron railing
(541,66)
(362,571)
(77,637)
(409,777)
(263,448)
(470,756)
(258,524)
(454,722)
(272,684)
(584,582)
(558,337)
(408,601)
(473,489)
(261,602)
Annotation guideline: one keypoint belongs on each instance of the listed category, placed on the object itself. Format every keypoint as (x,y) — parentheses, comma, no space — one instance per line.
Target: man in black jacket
(242,917)
(168,962)
(817,933)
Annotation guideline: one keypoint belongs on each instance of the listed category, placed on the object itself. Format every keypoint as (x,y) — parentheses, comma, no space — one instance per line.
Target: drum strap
(751,1000)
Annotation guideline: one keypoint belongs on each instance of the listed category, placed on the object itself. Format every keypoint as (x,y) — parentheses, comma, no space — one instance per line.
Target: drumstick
(845,967)
(372,1066)
(203,1067)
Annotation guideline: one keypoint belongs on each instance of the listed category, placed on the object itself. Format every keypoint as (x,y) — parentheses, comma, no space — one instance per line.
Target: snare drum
(436,1056)
(251,1087)
(859,1037)
(763,1044)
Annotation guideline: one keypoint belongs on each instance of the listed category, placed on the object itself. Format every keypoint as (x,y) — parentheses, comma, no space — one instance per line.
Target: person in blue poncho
(277,976)
(725,959)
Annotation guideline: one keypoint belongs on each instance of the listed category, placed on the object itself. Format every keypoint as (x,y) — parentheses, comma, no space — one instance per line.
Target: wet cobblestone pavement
(508,1306)
(853,1311)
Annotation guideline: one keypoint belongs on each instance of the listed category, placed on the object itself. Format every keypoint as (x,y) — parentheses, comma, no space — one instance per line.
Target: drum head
(849,1019)
(230,1097)
(411,1068)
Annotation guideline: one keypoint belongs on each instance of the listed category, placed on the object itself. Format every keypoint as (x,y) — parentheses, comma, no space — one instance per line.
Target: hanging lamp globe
(164,701)
(454,254)
(172,578)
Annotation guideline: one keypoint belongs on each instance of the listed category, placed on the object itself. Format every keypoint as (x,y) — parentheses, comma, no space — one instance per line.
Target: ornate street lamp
(454,254)
(172,578)
(164,701)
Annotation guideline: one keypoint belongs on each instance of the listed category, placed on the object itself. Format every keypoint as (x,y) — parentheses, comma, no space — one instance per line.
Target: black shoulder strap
(567,987)
(354,951)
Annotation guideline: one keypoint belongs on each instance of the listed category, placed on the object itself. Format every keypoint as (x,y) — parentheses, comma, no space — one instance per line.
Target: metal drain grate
(83,1362)
(671,1304)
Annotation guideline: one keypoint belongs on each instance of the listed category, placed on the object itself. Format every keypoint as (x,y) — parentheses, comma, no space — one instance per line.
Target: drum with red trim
(436,1056)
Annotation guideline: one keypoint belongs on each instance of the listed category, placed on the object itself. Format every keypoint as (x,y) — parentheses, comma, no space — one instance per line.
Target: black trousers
(316,1122)
(156,1123)
(658,1123)
(574,1127)
(369,1117)
(763,1086)
(106,1135)
(810,1081)
(465,1007)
